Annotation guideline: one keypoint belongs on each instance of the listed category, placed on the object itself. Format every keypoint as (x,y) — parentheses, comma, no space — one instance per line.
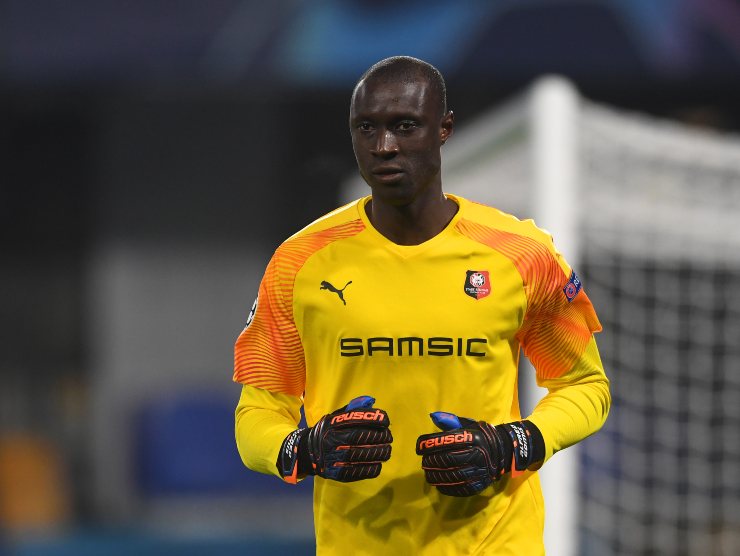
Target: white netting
(661,261)
(492,150)
(659,189)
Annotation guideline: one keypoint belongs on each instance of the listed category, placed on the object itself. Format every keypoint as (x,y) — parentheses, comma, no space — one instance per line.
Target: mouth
(387,174)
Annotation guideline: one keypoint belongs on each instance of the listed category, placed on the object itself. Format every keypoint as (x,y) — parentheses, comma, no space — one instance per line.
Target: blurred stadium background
(155,153)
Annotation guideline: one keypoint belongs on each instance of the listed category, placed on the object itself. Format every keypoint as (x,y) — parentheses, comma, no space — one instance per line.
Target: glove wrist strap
(527,446)
(289,457)
(306,457)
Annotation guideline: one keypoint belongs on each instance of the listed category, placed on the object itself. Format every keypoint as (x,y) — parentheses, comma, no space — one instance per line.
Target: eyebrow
(392,115)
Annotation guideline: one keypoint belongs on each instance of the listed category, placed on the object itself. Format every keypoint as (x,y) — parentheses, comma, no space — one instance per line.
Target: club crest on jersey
(573,286)
(477,284)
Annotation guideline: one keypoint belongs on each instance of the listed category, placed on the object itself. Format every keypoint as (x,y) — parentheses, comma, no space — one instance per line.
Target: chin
(395,196)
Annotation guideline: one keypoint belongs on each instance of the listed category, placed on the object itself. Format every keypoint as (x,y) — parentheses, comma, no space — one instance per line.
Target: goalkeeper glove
(469,455)
(347,445)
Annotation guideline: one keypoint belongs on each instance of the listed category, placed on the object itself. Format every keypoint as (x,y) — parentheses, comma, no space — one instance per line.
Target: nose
(385,144)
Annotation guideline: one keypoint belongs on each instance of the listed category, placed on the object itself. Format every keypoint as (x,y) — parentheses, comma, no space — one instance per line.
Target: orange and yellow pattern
(268,352)
(555,331)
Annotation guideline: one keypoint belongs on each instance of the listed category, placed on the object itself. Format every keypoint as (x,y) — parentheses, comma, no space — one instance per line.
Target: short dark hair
(407,69)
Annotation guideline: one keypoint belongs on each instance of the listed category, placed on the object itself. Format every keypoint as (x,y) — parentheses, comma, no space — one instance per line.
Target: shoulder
(342,223)
(528,246)
(483,220)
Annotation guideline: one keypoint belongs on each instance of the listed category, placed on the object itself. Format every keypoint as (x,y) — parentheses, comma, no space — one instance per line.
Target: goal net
(661,259)
(648,211)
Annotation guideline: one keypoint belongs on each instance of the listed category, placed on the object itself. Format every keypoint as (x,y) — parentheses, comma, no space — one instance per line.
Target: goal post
(553,107)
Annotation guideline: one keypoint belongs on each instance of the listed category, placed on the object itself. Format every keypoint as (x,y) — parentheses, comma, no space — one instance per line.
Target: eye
(364,126)
(406,125)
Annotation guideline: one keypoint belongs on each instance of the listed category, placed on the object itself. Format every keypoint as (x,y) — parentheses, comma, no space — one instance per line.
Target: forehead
(378,98)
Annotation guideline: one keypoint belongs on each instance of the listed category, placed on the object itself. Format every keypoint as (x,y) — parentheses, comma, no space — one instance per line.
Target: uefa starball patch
(573,286)
(252,312)
(477,284)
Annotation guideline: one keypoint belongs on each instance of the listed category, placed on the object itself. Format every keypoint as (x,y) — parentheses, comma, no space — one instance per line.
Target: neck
(414,223)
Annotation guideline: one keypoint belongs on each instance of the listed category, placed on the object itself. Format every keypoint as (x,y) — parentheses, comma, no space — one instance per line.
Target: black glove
(469,455)
(347,445)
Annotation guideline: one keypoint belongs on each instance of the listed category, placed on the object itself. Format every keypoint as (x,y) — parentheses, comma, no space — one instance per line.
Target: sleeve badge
(573,286)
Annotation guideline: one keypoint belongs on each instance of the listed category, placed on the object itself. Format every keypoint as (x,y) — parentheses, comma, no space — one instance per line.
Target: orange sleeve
(560,319)
(557,337)
(268,353)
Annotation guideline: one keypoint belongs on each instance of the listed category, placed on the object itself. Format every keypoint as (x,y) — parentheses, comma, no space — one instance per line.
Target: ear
(446,126)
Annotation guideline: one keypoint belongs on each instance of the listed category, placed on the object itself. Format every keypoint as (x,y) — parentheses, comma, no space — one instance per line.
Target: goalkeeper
(396,322)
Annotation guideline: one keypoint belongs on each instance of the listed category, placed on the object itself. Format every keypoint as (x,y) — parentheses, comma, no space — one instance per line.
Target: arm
(557,337)
(269,363)
(263,420)
(576,405)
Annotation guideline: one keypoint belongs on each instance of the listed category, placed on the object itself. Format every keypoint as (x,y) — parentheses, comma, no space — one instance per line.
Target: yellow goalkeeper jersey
(344,312)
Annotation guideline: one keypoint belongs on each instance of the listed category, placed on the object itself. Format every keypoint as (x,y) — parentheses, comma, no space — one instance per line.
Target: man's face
(397,131)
